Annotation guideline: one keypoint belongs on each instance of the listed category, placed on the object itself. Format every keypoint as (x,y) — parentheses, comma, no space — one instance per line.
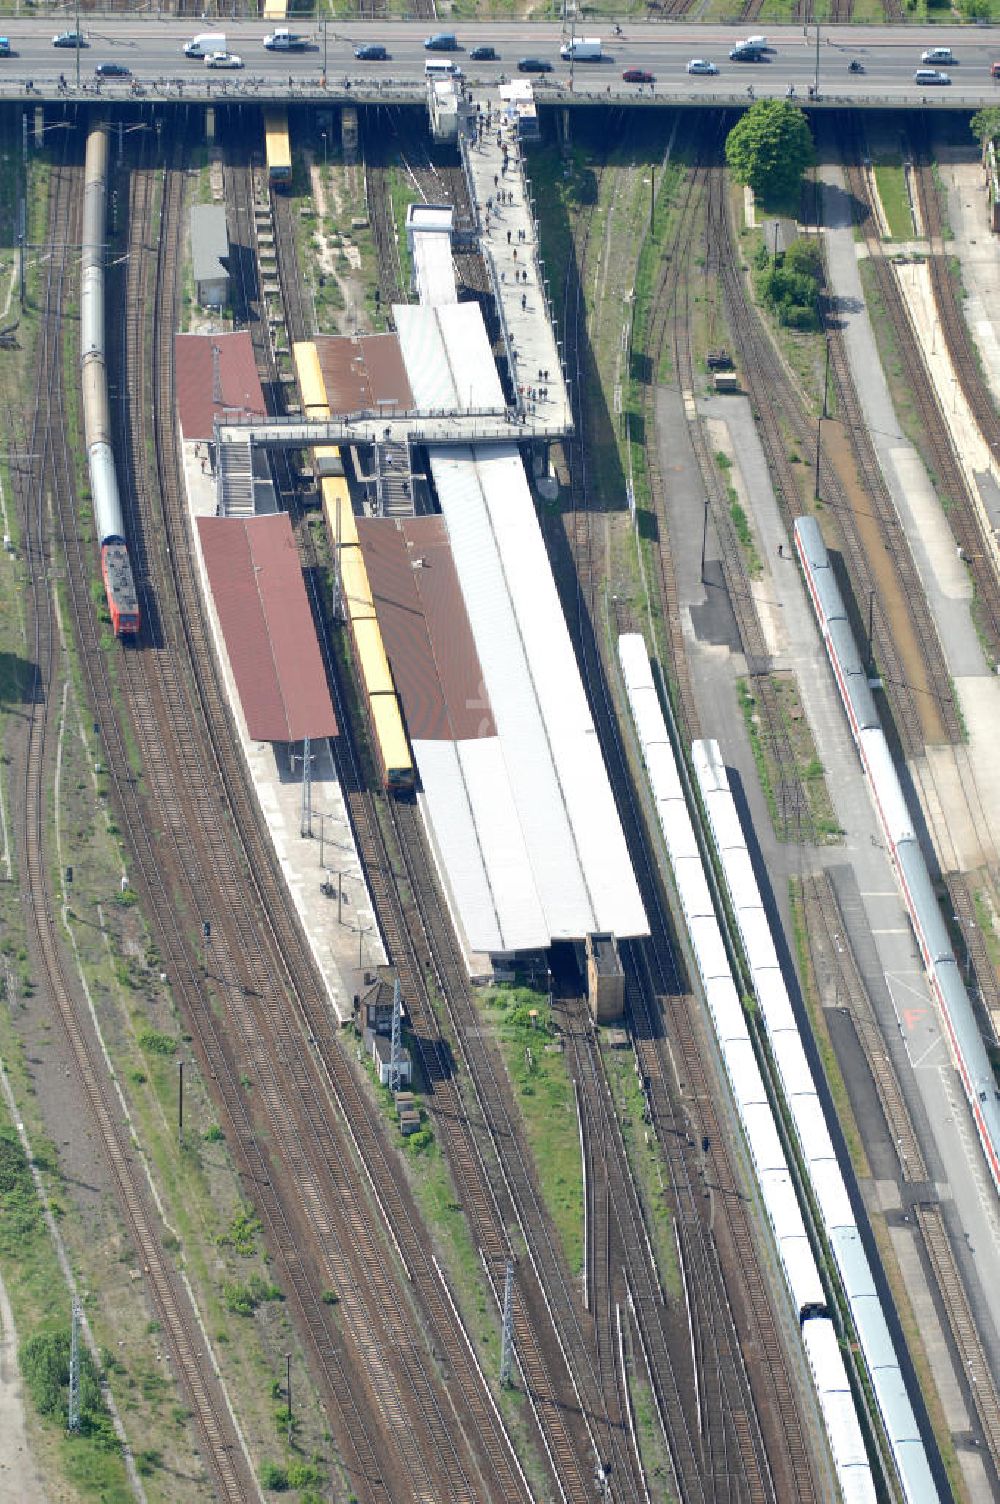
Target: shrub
(155,1043)
(273,1476)
(242,1297)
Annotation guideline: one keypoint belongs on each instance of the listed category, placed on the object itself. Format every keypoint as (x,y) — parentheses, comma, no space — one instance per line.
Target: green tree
(985,124)
(770,148)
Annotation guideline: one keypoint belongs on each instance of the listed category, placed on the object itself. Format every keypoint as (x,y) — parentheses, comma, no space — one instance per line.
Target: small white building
(210,254)
(380,1046)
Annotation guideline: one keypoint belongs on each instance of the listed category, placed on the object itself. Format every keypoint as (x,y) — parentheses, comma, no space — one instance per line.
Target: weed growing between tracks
(892,191)
(647,1164)
(543,1093)
(823,827)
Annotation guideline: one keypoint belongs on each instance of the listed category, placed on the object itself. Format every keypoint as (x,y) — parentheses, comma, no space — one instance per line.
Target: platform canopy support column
(306,824)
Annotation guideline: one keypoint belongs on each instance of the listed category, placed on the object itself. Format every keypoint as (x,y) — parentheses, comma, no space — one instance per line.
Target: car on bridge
(441,41)
(112,70)
(744,53)
(371,52)
(638,76)
(943,56)
(70,39)
(534,65)
(5,47)
(930,76)
(483,55)
(223,60)
(702,65)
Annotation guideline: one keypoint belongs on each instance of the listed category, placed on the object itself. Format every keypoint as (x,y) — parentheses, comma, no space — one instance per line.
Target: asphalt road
(152,49)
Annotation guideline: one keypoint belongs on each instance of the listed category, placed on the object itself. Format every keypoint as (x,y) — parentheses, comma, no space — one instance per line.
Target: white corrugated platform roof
(434,269)
(572,736)
(576,853)
(448,358)
(480,845)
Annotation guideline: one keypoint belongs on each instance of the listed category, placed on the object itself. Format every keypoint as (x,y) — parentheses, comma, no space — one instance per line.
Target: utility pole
(77,48)
(819,424)
(288,1390)
(73,1419)
(305,827)
(816,74)
(180,1101)
(507,1330)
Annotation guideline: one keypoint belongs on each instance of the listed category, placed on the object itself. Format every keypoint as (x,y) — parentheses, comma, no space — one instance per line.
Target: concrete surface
(19,1477)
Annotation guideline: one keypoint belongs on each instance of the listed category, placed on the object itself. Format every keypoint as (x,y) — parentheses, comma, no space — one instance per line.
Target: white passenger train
(816,1150)
(943,973)
(777,1190)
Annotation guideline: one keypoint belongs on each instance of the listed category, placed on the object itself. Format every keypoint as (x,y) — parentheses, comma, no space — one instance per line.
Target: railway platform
(508,239)
(322,870)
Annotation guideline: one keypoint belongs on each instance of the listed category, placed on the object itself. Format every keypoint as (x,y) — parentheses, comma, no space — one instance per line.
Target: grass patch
(544,1093)
(891,181)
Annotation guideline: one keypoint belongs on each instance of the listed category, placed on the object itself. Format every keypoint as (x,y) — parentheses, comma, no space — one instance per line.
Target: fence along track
(49,440)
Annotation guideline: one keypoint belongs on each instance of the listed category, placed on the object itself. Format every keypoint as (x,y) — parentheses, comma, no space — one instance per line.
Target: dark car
(748,55)
(112,70)
(371,52)
(534,65)
(483,54)
(70,39)
(441,41)
(638,76)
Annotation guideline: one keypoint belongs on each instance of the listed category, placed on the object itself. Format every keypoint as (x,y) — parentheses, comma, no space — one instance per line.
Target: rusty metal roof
(363,373)
(256,579)
(425,628)
(211,386)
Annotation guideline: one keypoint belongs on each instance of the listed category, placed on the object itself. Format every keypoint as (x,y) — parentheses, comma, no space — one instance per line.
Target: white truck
(582,50)
(283,40)
(204,43)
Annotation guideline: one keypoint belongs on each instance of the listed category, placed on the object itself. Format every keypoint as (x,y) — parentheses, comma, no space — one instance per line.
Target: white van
(930,76)
(204,43)
(441,67)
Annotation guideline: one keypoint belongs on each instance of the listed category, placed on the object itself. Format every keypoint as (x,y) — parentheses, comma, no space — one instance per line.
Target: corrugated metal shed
(256,579)
(216,377)
(210,252)
(448,358)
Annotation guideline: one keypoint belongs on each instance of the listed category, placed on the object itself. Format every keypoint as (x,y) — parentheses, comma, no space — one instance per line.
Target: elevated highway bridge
(152,49)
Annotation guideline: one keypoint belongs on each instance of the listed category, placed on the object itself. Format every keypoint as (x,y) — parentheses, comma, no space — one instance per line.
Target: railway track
(472,1155)
(656,1007)
(833,962)
(781,413)
(54,480)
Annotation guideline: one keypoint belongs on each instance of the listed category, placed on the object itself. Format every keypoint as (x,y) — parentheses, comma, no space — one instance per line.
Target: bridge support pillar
(210,122)
(39,126)
(349,132)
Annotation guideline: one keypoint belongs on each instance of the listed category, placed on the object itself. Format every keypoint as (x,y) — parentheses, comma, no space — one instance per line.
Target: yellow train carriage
(278,149)
(357,590)
(374,664)
(391,745)
(309,375)
(339,513)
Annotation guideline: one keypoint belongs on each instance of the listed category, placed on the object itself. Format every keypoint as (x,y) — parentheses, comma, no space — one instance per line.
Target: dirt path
(19,1477)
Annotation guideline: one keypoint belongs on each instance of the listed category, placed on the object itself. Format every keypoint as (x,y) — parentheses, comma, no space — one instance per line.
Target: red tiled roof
(204,393)
(425,628)
(256,578)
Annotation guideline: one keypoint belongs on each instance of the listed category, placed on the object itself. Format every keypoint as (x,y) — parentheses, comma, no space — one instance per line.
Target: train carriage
(279,152)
